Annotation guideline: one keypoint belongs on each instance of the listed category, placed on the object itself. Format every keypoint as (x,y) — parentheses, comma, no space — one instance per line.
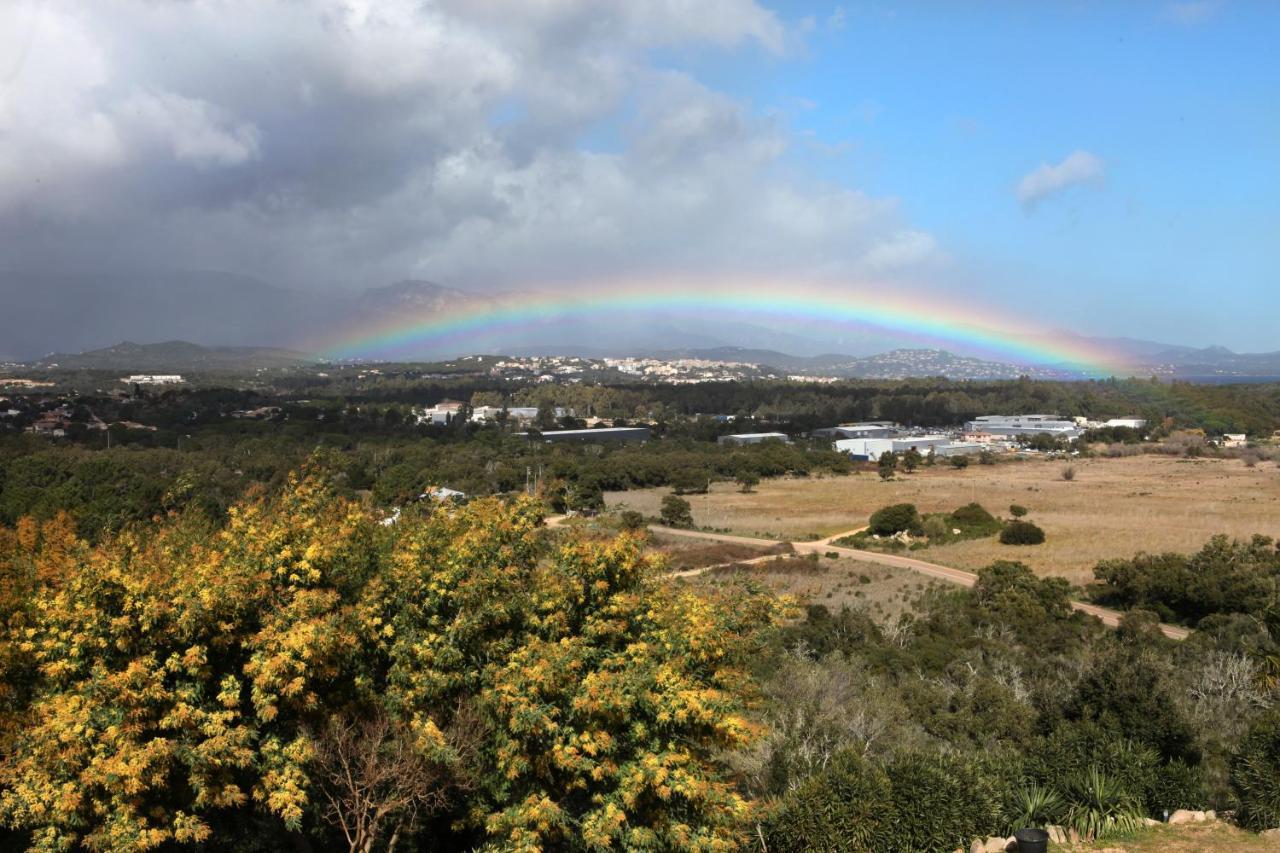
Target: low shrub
(943,801)
(676,512)
(973,514)
(690,481)
(916,802)
(1255,775)
(1021,533)
(973,520)
(894,519)
(1017,510)
(1066,755)
(848,807)
(630,519)
(936,527)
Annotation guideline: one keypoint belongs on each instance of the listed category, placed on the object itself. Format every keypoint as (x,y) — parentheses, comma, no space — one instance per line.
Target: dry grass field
(882,591)
(683,554)
(1113,507)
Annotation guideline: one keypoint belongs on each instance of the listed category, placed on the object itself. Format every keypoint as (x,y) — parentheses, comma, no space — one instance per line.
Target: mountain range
(78,312)
(175,356)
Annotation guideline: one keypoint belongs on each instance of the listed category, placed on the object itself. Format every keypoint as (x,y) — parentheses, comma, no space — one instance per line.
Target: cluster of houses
(447,411)
(53,418)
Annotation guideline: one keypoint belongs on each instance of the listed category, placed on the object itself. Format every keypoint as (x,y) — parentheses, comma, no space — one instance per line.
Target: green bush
(1176,785)
(1225,576)
(1017,595)
(1017,510)
(847,807)
(936,527)
(676,512)
(943,801)
(894,519)
(973,514)
(1066,755)
(916,802)
(974,520)
(1255,775)
(630,519)
(690,481)
(1021,533)
(1123,693)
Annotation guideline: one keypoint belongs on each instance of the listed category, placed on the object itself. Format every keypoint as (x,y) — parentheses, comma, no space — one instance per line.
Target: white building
(153,379)
(1131,423)
(1235,439)
(871,449)
(870,429)
(753,438)
(599,435)
(515,414)
(1024,425)
(961,448)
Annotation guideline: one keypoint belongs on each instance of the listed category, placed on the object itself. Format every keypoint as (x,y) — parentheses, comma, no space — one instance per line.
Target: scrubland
(1113,507)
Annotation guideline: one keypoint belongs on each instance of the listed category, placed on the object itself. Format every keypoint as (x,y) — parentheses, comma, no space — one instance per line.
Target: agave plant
(1036,805)
(1100,806)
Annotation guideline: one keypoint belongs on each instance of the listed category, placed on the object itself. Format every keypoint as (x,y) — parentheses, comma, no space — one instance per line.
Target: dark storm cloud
(352,143)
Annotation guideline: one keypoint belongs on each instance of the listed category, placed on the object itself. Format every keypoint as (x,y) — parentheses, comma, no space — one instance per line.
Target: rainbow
(974,330)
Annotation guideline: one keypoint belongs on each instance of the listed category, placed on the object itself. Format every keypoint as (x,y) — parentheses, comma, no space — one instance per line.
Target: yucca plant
(1035,805)
(1100,806)
(1268,675)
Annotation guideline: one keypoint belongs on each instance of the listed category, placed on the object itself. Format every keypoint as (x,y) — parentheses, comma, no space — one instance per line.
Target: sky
(1111,168)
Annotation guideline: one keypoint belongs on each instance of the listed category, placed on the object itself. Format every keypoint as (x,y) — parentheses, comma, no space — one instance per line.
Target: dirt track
(1110,618)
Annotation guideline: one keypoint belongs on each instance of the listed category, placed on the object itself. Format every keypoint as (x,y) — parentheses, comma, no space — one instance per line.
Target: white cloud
(352,142)
(901,249)
(1192,12)
(1079,167)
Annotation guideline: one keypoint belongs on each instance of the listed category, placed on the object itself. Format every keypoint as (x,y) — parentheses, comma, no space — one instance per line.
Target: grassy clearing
(882,591)
(1112,508)
(682,554)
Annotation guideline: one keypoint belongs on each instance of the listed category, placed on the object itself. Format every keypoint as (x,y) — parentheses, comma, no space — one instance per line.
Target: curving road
(1110,618)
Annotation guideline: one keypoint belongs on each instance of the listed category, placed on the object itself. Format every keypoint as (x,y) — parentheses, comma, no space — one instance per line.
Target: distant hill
(175,357)
(895,364)
(70,312)
(90,311)
(904,363)
(1206,363)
